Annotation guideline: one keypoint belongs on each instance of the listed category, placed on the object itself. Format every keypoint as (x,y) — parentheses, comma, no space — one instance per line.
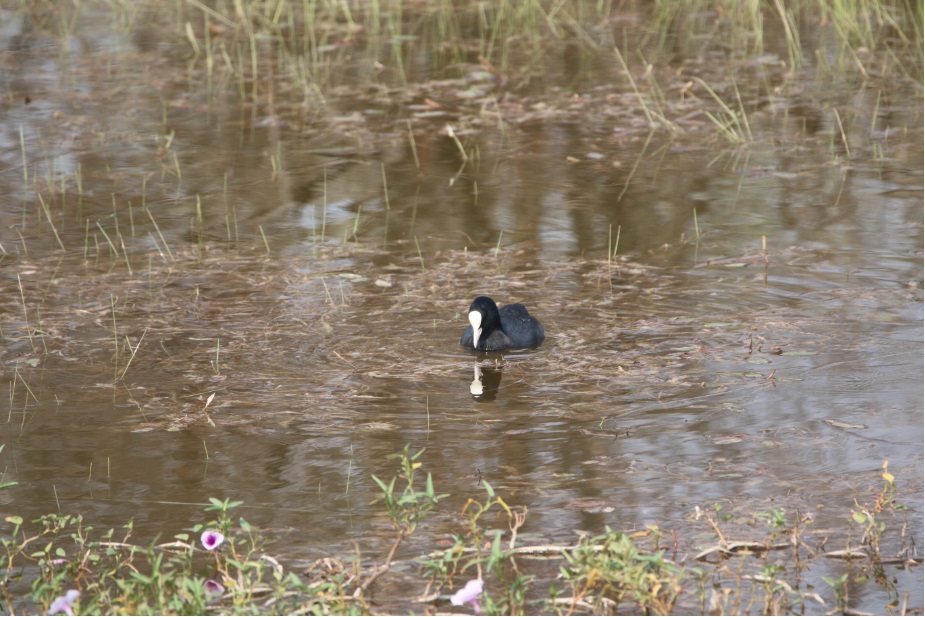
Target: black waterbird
(492,330)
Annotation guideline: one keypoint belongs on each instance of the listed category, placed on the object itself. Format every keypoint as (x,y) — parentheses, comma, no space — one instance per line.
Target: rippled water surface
(755,339)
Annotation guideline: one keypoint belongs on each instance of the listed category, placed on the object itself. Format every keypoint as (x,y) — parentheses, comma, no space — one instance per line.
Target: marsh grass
(613,572)
(732,124)
(306,41)
(288,58)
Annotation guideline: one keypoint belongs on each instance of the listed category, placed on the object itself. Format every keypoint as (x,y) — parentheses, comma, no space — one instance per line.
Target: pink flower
(62,604)
(211,540)
(470,593)
(214,588)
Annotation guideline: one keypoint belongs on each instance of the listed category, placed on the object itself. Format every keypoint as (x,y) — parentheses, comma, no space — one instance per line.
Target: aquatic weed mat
(266,335)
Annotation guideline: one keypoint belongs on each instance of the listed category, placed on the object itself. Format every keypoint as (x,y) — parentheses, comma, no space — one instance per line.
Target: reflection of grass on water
(477,66)
(315,37)
(72,567)
(286,50)
(485,67)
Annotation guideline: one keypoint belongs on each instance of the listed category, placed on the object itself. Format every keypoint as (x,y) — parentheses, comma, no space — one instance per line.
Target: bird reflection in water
(485,383)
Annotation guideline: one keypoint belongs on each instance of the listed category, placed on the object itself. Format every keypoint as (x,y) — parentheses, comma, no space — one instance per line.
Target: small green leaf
(382,485)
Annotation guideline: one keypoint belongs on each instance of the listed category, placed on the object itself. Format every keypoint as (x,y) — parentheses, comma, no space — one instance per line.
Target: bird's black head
(484,317)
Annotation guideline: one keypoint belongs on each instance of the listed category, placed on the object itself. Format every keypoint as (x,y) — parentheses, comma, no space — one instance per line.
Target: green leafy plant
(839,586)
(603,571)
(58,563)
(777,517)
(406,510)
(171,578)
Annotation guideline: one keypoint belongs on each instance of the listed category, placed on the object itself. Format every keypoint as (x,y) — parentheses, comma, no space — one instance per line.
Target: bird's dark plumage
(492,330)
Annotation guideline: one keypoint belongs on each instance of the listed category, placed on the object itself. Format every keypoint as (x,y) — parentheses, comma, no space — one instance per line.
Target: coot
(493,330)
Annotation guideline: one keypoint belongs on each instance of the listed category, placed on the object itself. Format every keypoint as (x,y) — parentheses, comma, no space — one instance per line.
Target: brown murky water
(693,368)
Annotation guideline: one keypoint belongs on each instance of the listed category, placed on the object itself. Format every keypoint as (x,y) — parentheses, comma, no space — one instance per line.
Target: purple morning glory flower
(62,604)
(470,593)
(214,588)
(211,540)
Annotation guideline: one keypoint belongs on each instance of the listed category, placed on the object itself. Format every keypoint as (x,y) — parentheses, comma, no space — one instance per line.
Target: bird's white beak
(475,318)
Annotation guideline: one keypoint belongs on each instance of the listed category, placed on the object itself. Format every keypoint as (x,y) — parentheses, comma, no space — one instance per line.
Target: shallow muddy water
(756,341)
